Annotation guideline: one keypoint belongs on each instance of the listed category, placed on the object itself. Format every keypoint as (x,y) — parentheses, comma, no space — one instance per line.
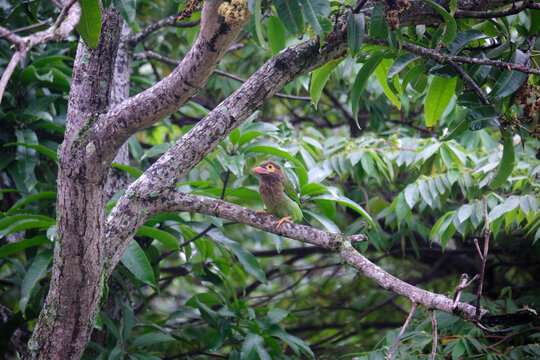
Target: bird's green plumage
(277,192)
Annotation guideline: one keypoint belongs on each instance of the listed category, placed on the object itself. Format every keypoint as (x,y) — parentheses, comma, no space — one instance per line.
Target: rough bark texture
(88,247)
(81,267)
(117,179)
(162,176)
(68,316)
(171,93)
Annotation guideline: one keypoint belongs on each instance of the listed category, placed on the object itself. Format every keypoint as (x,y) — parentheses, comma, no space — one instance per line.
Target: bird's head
(269,170)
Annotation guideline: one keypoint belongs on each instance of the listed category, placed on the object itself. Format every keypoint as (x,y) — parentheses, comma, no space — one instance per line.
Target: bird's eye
(270,167)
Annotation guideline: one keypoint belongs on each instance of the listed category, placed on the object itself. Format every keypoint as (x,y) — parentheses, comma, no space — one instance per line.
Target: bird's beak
(260,170)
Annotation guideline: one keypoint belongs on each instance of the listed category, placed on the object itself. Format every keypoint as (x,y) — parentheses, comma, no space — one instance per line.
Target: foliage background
(197,286)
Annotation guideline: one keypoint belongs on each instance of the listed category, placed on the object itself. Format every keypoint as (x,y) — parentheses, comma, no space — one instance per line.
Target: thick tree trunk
(79,267)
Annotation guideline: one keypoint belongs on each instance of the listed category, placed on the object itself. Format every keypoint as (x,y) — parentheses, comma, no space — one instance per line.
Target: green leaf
(507,162)
(255,8)
(294,342)
(162,236)
(209,315)
(156,150)
(135,260)
(276,35)
(128,322)
(313,189)
(444,228)
(361,80)
(509,81)
(248,261)
(481,117)
(377,26)
(40,148)
(36,272)
(347,202)
(381,72)
(117,353)
(411,195)
(399,64)
(127,8)
(355,32)
(463,38)
(29,199)
(133,171)
(249,347)
(290,13)
(26,157)
(24,222)
(150,339)
(450,24)
(221,334)
(266,147)
(15,247)
(327,224)
(319,77)
(313,10)
(274,316)
(90,24)
(438,97)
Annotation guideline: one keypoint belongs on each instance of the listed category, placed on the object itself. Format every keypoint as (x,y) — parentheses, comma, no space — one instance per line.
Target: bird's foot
(263,212)
(285,219)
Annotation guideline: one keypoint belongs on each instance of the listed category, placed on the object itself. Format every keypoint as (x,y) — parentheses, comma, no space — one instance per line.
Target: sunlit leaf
(438,97)
(90,24)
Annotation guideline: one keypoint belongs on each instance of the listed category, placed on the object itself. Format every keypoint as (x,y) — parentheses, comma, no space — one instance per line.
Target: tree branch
(483,257)
(59,31)
(168,21)
(171,93)
(162,176)
(443,58)
(394,348)
(175,201)
(153,55)
(434,331)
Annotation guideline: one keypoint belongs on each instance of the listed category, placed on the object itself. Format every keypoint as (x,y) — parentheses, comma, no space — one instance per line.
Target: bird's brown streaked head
(268,168)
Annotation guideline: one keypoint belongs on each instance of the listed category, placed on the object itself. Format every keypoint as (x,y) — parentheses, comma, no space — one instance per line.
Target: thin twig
(8,71)
(507,337)
(367,199)
(63,13)
(358,6)
(394,348)
(153,55)
(442,58)
(360,316)
(11,36)
(33,26)
(493,331)
(463,284)
(477,246)
(336,103)
(434,329)
(487,233)
(459,288)
(167,21)
(467,78)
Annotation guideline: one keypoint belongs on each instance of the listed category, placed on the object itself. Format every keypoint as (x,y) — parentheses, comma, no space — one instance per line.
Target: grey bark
(69,312)
(88,245)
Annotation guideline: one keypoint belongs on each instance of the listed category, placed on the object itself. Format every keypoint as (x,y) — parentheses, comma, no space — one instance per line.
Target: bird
(278,193)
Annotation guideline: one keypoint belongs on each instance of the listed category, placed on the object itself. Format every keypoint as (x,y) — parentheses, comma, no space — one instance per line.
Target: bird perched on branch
(277,193)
